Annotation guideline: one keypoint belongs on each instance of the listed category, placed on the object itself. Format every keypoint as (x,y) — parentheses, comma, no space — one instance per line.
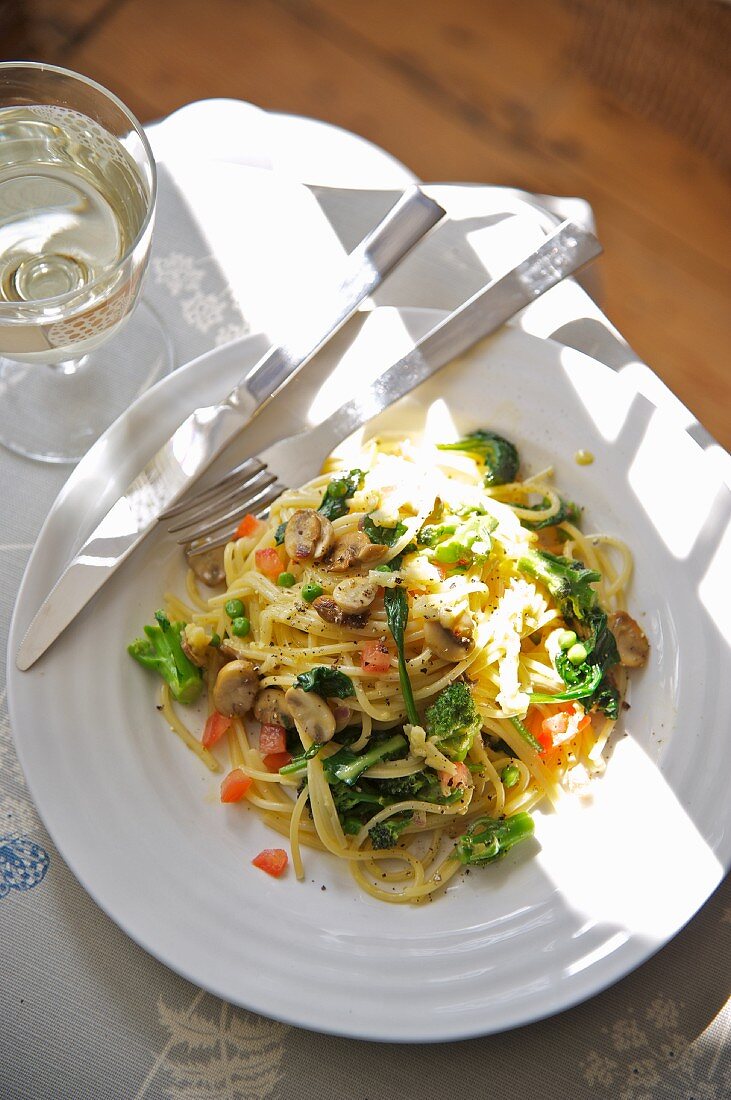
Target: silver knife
(207,431)
(562,253)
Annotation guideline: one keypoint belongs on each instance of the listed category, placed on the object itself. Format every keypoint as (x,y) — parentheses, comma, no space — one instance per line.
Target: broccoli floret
(385,834)
(357,803)
(345,766)
(469,542)
(403,787)
(487,838)
(160,650)
(354,806)
(499,455)
(568,581)
(453,720)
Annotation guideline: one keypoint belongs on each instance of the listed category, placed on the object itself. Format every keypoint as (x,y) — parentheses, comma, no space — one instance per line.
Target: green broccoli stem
(349,771)
(487,839)
(299,763)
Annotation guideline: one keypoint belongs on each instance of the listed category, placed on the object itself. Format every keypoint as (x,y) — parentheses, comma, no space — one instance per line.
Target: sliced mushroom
(312,716)
(308,534)
(208,565)
(355,594)
(236,688)
(232,648)
(196,645)
(631,641)
(341,713)
(270,707)
(329,611)
(195,654)
(354,548)
(451,642)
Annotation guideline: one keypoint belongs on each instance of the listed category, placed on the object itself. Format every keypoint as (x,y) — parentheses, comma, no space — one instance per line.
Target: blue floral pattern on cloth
(23,864)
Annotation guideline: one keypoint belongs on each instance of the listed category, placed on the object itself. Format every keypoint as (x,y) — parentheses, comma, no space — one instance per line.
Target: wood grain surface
(625,103)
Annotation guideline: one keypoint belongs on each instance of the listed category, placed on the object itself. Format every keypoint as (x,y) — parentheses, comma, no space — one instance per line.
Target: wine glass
(77,201)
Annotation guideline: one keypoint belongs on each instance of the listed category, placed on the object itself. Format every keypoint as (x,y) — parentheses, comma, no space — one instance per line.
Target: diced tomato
(544,739)
(214,729)
(249,524)
(375,658)
(268,562)
(276,760)
(272,738)
(235,785)
(271,860)
(583,722)
(461,778)
(533,721)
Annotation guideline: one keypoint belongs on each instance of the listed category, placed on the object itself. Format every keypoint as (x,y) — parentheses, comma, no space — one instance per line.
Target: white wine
(72,203)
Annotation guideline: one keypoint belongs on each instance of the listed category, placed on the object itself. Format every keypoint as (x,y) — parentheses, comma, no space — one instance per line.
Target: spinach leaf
(335,500)
(327,682)
(397,616)
(384,536)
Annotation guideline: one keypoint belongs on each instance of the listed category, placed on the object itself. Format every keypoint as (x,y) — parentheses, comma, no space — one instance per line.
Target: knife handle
(411,217)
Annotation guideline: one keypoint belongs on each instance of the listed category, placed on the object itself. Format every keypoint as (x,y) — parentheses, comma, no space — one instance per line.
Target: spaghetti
(437,635)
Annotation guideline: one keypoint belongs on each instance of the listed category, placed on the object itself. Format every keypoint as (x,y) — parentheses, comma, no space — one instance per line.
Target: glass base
(55,413)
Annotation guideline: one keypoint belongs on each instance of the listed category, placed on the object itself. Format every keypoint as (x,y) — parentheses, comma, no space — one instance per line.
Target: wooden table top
(624,104)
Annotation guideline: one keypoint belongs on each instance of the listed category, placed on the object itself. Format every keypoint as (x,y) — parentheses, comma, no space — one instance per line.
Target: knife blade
(207,431)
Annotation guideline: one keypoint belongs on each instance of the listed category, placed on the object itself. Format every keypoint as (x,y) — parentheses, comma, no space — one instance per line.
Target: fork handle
(567,249)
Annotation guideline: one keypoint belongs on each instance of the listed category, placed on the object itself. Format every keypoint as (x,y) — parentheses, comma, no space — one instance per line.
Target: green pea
(510,775)
(286,580)
(240,626)
(310,592)
(215,640)
(382,569)
(577,654)
(567,638)
(234,609)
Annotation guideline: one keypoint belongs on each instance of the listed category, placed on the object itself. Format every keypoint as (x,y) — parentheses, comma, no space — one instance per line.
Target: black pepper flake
(323,887)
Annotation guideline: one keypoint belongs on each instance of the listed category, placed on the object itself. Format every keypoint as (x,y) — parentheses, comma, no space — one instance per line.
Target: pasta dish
(402,660)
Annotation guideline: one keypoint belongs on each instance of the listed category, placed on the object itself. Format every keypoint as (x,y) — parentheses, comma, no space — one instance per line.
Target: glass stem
(69,366)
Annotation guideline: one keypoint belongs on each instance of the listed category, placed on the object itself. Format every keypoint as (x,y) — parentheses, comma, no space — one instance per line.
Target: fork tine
(258,508)
(233,499)
(252,502)
(248,469)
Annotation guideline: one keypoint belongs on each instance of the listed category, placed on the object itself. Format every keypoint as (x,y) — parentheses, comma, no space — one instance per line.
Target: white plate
(138,820)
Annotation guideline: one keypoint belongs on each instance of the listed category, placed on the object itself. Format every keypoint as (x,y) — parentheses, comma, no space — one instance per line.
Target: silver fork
(207,519)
